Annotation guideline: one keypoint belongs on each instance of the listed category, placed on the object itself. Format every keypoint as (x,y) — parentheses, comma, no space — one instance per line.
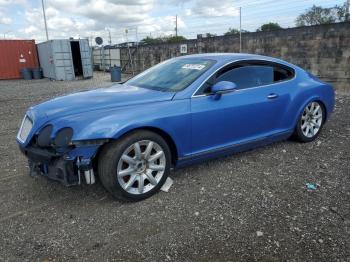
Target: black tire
(298,132)
(110,156)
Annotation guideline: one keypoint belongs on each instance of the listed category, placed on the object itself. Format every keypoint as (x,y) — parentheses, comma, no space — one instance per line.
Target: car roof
(227,57)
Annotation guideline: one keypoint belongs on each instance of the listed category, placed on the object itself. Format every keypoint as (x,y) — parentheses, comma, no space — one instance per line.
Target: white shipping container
(65,59)
(105,58)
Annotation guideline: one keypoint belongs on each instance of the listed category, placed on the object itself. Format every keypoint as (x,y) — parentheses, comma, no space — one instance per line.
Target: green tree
(318,15)
(210,35)
(160,40)
(342,13)
(174,39)
(269,27)
(232,31)
(150,40)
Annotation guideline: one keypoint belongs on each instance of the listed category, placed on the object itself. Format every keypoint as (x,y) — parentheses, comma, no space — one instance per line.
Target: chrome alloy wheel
(141,167)
(311,119)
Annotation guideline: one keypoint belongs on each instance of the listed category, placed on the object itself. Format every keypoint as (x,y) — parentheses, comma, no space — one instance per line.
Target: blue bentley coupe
(179,112)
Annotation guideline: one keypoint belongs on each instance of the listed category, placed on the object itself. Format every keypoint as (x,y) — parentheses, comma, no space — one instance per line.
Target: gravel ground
(250,206)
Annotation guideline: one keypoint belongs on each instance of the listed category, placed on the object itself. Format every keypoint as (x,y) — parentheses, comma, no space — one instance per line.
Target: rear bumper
(65,167)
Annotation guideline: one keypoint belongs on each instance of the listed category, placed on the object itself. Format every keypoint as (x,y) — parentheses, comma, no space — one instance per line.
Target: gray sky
(91,18)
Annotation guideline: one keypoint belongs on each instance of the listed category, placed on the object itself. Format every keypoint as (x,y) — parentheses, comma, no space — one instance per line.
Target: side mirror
(223,87)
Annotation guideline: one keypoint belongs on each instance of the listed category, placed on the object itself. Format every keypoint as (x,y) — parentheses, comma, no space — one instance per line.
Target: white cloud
(89,18)
(31,29)
(5,20)
(67,18)
(51,12)
(163,25)
(107,12)
(11,2)
(214,9)
(188,12)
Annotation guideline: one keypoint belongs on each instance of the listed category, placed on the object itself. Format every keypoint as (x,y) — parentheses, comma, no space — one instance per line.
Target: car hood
(104,98)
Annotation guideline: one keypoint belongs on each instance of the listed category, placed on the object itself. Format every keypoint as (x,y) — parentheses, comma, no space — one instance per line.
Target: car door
(253,111)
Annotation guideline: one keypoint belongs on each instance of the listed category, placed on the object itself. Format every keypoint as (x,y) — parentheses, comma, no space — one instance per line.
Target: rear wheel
(310,122)
(135,167)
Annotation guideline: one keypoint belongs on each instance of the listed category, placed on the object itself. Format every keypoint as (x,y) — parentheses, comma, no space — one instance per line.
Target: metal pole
(7,33)
(137,35)
(240,29)
(176,25)
(131,60)
(347,17)
(136,60)
(43,6)
(110,37)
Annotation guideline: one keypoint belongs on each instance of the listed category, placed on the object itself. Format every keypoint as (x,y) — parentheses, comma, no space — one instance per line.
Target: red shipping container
(15,55)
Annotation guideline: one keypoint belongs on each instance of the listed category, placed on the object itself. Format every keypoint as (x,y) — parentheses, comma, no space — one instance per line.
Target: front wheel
(135,167)
(310,122)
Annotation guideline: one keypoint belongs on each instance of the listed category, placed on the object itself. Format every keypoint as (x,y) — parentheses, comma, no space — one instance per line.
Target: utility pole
(130,57)
(240,29)
(43,6)
(347,16)
(7,33)
(109,36)
(137,35)
(91,38)
(176,25)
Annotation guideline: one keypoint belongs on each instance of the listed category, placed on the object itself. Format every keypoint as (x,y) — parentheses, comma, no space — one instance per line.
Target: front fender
(172,117)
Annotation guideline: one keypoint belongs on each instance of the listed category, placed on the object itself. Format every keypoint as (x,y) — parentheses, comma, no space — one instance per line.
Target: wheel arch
(324,109)
(168,139)
(302,107)
(166,136)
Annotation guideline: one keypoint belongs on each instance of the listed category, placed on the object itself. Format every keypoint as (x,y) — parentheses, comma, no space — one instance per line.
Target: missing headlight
(64,137)
(44,137)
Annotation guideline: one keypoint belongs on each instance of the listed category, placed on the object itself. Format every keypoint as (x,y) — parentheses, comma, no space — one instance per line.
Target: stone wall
(324,50)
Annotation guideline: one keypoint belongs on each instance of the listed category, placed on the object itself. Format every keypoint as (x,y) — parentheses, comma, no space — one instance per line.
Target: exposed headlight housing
(25,129)
(64,137)
(44,137)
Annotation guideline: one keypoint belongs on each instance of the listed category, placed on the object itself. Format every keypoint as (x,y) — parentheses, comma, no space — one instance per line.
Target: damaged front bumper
(70,166)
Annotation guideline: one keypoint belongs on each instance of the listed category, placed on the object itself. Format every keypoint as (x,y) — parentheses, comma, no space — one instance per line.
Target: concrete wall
(324,50)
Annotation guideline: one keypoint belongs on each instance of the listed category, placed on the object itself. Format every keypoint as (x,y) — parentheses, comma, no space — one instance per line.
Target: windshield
(172,75)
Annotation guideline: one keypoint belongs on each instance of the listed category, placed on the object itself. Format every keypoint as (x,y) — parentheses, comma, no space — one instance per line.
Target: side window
(206,87)
(282,74)
(248,76)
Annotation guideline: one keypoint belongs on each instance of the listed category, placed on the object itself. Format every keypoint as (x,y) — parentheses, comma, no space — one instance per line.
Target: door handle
(272,96)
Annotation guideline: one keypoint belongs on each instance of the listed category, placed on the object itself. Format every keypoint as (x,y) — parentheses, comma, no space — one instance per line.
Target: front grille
(25,129)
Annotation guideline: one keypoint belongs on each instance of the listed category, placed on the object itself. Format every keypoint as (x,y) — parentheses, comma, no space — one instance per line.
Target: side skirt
(229,150)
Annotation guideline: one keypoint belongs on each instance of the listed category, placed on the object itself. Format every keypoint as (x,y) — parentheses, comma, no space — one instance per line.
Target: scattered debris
(103,198)
(312,186)
(259,233)
(168,183)
(335,211)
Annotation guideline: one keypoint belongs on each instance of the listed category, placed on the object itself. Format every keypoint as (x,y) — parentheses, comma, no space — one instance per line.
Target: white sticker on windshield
(193,66)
